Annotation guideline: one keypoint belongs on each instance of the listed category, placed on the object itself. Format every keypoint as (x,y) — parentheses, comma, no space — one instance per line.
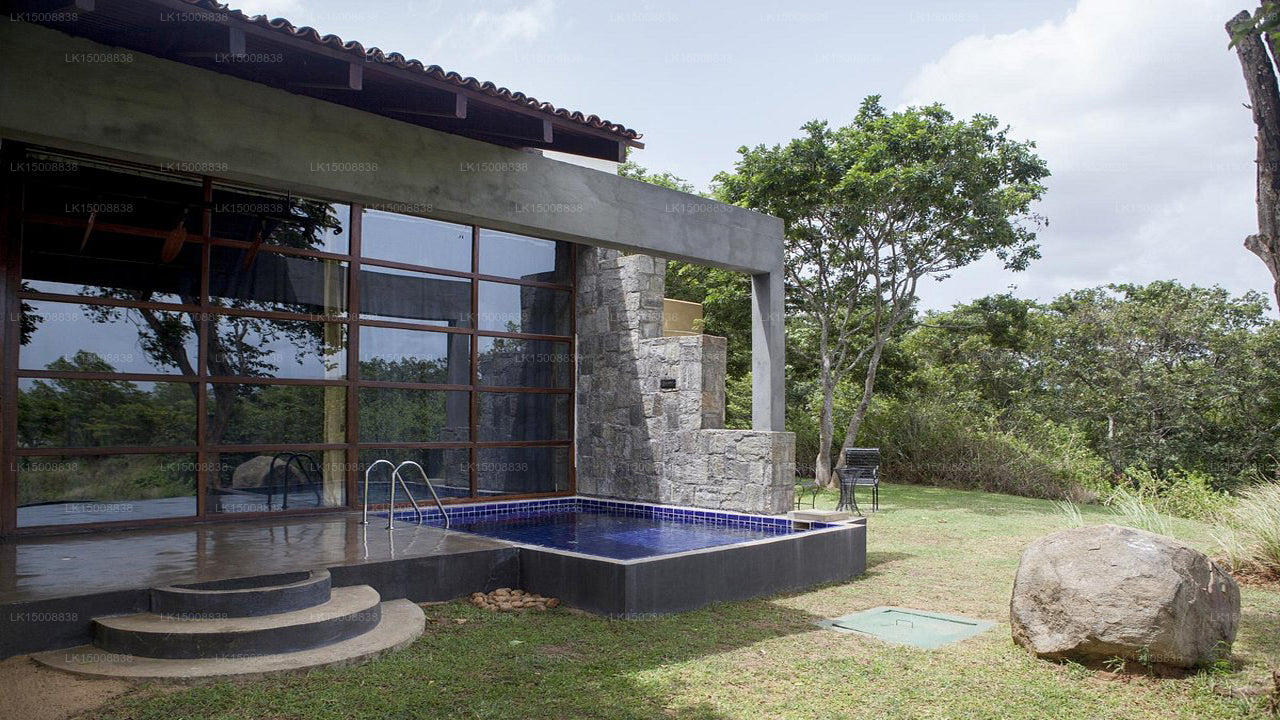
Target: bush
(1184,493)
(931,444)
(1249,531)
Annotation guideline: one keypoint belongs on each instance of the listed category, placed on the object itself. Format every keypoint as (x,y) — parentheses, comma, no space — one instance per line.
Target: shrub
(932,444)
(1249,531)
(1184,493)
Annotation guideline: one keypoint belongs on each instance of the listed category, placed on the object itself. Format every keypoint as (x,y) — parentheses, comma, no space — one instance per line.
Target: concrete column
(768,411)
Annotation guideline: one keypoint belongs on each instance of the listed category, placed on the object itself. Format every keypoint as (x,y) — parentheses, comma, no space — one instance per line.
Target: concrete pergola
(171,115)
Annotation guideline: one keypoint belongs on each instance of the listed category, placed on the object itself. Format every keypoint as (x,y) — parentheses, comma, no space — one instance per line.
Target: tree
(873,208)
(1248,33)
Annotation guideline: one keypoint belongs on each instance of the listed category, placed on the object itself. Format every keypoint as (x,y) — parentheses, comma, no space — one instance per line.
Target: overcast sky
(1135,104)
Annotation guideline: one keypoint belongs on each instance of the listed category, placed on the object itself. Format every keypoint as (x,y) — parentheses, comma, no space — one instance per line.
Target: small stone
(553,602)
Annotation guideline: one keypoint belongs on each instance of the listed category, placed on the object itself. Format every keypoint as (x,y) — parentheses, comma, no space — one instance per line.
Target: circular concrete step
(243,597)
(350,611)
(402,622)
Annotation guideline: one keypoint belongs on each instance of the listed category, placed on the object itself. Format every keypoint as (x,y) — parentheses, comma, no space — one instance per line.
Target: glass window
(126,267)
(526,258)
(516,362)
(422,356)
(261,347)
(447,468)
(522,470)
(269,414)
(395,415)
(97,338)
(523,309)
(268,281)
(253,216)
(415,240)
(523,416)
(284,480)
(79,489)
(113,195)
(407,296)
(103,413)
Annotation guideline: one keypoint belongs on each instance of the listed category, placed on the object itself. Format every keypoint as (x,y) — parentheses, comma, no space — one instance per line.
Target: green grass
(943,550)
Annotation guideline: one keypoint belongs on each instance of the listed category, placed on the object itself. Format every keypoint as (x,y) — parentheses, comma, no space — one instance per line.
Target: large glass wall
(188,348)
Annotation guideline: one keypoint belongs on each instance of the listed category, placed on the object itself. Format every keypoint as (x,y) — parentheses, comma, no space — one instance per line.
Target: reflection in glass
(256,217)
(124,267)
(261,347)
(526,258)
(523,309)
(267,281)
(522,470)
(102,413)
(523,416)
(270,481)
(446,468)
(79,489)
(407,296)
(422,356)
(517,362)
(97,338)
(112,195)
(269,414)
(395,415)
(415,240)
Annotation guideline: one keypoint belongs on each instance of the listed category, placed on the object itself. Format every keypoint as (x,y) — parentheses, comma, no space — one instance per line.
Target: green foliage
(870,210)
(1174,391)
(630,169)
(1184,493)
(927,443)
(1249,532)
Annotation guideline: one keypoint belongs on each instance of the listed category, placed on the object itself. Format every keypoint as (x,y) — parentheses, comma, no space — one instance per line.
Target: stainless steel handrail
(430,487)
(374,464)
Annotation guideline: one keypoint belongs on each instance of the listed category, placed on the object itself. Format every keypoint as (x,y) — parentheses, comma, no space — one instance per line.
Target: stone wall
(650,409)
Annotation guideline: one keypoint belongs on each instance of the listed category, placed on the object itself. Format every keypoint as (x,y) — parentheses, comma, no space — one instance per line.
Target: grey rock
(1097,593)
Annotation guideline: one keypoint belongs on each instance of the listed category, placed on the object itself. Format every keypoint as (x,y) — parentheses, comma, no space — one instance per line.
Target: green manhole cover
(904,626)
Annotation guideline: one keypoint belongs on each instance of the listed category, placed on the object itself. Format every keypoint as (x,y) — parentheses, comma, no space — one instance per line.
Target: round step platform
(243,597)
(401,623)
(349,611)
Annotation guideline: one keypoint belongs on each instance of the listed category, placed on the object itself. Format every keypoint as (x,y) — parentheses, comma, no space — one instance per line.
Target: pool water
(615,534)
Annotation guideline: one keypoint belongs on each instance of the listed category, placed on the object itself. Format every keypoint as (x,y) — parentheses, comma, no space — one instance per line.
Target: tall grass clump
(1249,531)
(1133,509)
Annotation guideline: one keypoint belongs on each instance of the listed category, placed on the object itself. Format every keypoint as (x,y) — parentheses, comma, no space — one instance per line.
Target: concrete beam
(159,112)
(768,353)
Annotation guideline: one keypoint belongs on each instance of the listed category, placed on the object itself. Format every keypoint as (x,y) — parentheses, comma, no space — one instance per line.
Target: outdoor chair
(811,487)
(861,467)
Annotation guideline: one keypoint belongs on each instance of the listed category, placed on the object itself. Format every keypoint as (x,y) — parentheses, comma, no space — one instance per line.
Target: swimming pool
(627,559)
(613,529)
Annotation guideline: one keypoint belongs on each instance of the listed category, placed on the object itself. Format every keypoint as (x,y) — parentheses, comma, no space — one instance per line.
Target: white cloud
(488,31)
(1136,107)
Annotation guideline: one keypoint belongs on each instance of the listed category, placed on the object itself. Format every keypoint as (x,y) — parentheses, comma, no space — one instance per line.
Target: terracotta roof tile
(397,60)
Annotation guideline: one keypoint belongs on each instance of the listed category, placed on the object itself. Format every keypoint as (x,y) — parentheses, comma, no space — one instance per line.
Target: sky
(1137,106)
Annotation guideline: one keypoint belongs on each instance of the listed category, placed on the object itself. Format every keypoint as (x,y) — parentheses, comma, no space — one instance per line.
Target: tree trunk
(826,425)
(868,389)
(1264,97)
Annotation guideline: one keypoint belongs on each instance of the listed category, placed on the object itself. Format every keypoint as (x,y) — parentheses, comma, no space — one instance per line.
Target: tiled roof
(397,60)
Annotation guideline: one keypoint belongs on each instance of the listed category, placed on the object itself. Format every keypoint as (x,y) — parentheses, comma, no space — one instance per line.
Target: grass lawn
(929,548)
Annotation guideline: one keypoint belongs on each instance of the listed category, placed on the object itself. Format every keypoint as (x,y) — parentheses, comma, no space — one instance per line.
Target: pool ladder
(391,500)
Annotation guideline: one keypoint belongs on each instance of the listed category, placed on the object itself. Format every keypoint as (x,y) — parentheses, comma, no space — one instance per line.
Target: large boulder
(1099,593)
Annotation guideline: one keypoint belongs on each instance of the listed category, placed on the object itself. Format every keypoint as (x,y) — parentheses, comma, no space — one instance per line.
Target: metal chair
(810,486)
(861,467)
